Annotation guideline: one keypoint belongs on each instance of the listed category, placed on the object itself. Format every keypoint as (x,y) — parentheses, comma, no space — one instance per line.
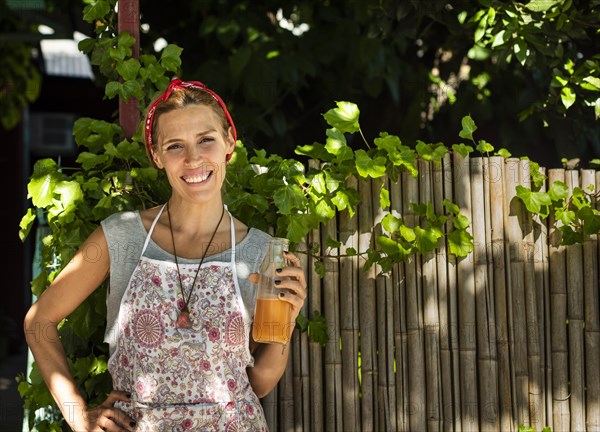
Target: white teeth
(197,179)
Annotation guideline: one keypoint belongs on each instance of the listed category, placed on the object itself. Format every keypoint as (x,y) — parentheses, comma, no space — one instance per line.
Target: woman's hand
(106,417)
(291,280)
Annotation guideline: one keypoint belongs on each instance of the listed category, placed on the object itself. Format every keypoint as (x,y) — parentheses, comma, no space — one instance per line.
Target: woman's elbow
(261,391)
(33,326)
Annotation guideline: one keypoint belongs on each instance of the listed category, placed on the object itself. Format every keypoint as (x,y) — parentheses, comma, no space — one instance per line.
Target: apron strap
(152,229)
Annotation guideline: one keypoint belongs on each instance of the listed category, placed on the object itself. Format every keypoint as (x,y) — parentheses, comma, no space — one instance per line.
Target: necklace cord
(186,301)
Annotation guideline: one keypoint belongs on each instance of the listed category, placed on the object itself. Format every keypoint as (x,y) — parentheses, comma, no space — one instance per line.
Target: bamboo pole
(540,258)
(592,317)
(385,367)
(332,360)
(558,303)
(484,300)
(536,401)
(430,314)
(301,363)
(400,338)
(316,352)
(454,404)
(414,318)
(495,180)
(349,318)
(466,307)
(286,399)
(366,307)
(445,366)
(517,310)
(576,321)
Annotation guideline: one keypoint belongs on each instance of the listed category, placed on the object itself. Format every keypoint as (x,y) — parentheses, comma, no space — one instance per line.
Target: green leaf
(96,10)
(426,239)
(344,117)
(460,243)
(315,151)
(90,160)
(389,246)
(431,152)
(569,236)
(468,127)
(460,221)
(484,147)
(317,329)
(86,45)
(318,183)
(462,149)
(69,193)
(533,200)
(397,153)
(112,89)
(565,216)
(26,223)
(337,146)
(390,223)
(289,198)
(558,191)
(521,51)
(567,96)
(298,226)
(503,152)
(170,58)
(43,181)
(541,5)
(384,198)
(594,83)
(368,167)
(591,220)
(131,89)
(407,233)
(129,69)
(451,207)
(324,210)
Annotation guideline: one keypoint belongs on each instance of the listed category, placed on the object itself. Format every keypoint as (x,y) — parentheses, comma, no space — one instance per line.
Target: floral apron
(185,379)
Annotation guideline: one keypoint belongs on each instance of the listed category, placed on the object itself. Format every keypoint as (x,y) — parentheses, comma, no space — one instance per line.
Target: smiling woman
(179,315)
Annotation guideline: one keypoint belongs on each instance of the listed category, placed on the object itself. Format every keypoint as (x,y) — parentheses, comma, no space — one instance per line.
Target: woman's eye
(173,146)
(206,139)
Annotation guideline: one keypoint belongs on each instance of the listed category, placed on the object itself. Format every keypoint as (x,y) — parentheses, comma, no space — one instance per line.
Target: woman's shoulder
(120,218)
(123,225)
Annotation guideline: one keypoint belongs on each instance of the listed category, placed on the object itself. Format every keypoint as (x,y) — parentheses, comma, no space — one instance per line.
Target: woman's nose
(192,155)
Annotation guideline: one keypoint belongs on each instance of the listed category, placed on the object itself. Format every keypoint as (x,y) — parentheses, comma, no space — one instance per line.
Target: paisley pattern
(185,379)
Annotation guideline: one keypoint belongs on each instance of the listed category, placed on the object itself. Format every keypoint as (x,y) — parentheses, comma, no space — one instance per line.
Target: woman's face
(192,150)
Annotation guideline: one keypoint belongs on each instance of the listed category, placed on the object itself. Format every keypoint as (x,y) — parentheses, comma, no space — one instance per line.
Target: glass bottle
(272,316)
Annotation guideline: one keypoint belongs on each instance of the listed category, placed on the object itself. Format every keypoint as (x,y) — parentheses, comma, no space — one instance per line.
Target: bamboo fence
(507,336)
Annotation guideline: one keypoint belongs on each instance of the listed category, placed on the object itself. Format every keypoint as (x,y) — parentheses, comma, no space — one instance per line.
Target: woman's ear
(157,161)
(229,142)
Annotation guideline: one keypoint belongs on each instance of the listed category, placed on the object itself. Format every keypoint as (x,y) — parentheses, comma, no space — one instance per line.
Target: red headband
(176,84)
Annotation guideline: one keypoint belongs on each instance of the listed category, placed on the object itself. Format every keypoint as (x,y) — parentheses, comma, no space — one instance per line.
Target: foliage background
(527,72)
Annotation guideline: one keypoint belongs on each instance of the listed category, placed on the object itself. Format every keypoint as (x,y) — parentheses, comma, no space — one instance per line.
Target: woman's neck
(195,220)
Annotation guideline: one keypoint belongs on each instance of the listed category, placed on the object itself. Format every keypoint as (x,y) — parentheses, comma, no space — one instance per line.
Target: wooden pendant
(184,320)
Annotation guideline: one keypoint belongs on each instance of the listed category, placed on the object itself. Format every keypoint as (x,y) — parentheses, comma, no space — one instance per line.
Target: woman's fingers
(116,395)
(110,419)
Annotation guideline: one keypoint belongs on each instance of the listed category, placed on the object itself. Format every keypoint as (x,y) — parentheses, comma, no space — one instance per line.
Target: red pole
(129,21)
